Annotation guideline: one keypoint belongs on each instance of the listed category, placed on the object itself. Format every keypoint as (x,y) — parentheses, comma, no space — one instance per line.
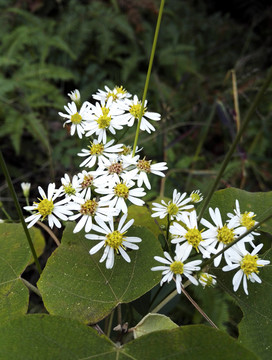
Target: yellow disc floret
(121,190)
(45,207)
(69,190)
(193,236)
(96,149)
(104,120)
(87,181)
(225,235)
(115,168)
(114,240)
(172,209)
(247,220)
(89,207)
(135,110)
(177,267)
(249,264)
(195,197)
(144,165)
(76,118)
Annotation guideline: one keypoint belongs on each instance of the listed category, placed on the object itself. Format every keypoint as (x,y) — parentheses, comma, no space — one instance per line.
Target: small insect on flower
(114,241)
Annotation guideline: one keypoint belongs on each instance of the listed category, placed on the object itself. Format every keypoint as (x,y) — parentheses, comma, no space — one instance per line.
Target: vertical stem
(19,210)
(235,99)
(148,74)
(228,156)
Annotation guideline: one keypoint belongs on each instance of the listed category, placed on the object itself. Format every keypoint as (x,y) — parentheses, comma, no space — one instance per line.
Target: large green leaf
(15,256)
(75,284)
(46,337)
(153,322)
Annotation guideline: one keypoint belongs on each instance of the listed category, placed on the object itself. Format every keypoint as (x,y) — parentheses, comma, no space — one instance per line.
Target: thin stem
(6,213)
(235,99)
(49,231)
(148,74)
(228,156)
(109,324)
(19,210)
(31,287)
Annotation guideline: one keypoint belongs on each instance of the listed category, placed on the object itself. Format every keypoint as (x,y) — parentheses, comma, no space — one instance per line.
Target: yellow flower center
(45,207)
(126,150)
(195,197)
(172,209)
(114,239)
(115,168)
(121,190)
(69,190)
(87,181)
(193,236)
(96,149)
(104,120)
(76,118)
(177,267)
(119,90)
(135,110)
(225,235)
(113,95)
(207,279)
(89,208)
(249,264)
(247,220)
(144,165)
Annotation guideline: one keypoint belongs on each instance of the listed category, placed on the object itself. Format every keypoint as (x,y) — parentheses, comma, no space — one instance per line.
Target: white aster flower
(118,193)
(206,279)
(173,208)
(25,187)
(133,108)
(113,240)
(70,188)
(77,119)
(99,152)
(106,116)
(75,96)
(175,269)
(248,264)
(87,180)
(196,196)
(118,93)
(2,221)
(47,208)
(221,235)
(190,235)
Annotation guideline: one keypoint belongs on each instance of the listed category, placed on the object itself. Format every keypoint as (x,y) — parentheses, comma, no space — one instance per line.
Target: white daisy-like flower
(176,269)
(75,96)
(75,118)
(106,116)
(99,152)
(88,209)
(118,93)
(114,241)
(87,180)
(190,235)
(119,193)
(133,108)
(26,187)
(207,280)
(70,188)
(145,167)
(243,219)
(47,208)
(221,235)
(248,264)
(173,208)
(196,196)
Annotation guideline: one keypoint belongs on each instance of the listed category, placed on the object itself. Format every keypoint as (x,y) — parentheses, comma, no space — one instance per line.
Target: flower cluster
(97,197)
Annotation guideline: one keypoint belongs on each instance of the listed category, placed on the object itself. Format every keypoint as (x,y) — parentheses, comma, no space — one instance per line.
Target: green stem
(31,287)
(19,210)
(6,213)
(148,74)
(235,142)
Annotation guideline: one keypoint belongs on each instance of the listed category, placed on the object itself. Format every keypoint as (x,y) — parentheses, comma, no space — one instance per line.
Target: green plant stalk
(19,210)
(210,260)
(235,143)
(6,213)
(148,74)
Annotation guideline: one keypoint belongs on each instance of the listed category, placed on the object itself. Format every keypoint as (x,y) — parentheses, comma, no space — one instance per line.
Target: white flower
(77,119)
(46,208)
(243,219)
(133,108)
(173,208)
(206,279)
(196,196)
(248,264)
(177,268)
(25,187)
(190,235)
(221,235)
(113,240)
(87,209)
(99,152)
(106,116)
(70,188)
(75,96)
(118,193)
(87,180)
(118,93)
(1,221)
